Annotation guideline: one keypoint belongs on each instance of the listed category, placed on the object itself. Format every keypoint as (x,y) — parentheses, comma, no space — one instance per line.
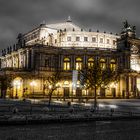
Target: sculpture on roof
(128,27)
(69,19)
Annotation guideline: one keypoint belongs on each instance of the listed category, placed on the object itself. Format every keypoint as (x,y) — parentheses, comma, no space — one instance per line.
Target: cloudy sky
(20,16)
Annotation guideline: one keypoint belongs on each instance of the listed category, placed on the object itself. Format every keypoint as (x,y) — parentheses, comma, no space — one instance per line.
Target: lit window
(85,38)
(66,82)
(113,64)
(103,63)
(77,38)
(93,39)
(90,62)
(78,63)
(68,38)
(108,41)
(101,40)
(66,63)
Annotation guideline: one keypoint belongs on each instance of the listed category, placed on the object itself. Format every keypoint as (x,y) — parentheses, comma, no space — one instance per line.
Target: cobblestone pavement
(99,130)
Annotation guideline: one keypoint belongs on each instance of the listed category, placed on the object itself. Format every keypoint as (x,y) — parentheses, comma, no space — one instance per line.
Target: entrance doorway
(66,92)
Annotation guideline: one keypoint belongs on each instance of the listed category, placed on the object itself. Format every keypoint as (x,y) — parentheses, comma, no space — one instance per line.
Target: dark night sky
(20,16)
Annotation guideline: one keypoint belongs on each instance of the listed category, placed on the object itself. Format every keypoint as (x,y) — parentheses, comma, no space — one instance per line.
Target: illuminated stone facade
(67,47)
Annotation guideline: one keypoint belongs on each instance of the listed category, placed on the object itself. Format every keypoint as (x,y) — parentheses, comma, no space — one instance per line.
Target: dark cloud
(106,15)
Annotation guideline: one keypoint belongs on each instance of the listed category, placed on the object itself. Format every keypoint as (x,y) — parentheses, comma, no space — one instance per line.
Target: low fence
(26,109)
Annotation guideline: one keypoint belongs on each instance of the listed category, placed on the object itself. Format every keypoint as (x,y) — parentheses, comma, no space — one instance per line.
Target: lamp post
(33,84)
(17,85)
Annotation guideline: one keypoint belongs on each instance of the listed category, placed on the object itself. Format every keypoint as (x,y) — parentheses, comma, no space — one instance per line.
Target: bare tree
(52,84)
(5,83)
(95,77)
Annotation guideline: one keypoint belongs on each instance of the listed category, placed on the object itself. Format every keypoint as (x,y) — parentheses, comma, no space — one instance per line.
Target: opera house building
(66,47)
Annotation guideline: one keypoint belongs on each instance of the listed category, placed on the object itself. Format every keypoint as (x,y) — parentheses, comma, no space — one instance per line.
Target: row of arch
(79,63)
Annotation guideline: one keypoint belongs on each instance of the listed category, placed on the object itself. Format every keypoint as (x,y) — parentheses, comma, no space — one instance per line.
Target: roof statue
(128,27)
(134,28)
(69,19)
(43,23)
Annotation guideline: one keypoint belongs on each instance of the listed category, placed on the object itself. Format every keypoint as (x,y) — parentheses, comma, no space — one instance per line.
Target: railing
(27,108)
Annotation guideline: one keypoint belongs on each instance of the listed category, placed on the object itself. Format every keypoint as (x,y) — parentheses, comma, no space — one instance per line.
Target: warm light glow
(90,62)
(78,63)
(113,85)
(58,85)
(50,86)
(66,63)
(33,83)
(135,64)
(135,67)
(17,83)
(103,63)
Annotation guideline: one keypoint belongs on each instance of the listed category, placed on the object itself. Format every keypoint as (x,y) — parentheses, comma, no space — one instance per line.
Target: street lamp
(17,84)
(33,84)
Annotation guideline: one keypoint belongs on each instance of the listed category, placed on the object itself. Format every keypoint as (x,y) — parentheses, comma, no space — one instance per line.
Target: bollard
(111,111)
(31,109)
(15,110)
(71,109)
(45,109)
(69,104)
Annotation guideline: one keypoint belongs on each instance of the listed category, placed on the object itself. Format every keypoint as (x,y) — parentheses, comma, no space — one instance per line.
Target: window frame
(103,63)
(68,38)
(108,41)
(85,39)
(66,63)
(94,38)
(78,63)
(77,38)
(101,40)
(90,62)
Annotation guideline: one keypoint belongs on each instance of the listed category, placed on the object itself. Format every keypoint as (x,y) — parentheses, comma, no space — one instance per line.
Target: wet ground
(105,130)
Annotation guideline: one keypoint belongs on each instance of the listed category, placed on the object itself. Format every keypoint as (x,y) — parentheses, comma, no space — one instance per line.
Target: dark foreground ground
(99,130)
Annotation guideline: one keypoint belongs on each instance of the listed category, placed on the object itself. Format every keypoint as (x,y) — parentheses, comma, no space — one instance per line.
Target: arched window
(66,83)
(66,63)
(90,62)
(78,63)
(103,63)
(113,64)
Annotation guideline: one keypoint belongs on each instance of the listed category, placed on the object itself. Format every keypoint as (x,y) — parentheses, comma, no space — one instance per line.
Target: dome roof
(69,26)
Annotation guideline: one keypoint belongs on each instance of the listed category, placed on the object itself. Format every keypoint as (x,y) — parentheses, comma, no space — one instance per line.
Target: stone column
(27,59)
(59,65)
(127,86)
(71,62)
(32,59)
(74,64)
(85,61)
(135,86)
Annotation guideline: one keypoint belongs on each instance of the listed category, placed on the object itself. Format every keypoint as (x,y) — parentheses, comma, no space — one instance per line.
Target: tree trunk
(50,98)
(95,98)
(3,93)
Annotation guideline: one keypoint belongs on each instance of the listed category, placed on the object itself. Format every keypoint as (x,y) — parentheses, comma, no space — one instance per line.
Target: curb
(67,120)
